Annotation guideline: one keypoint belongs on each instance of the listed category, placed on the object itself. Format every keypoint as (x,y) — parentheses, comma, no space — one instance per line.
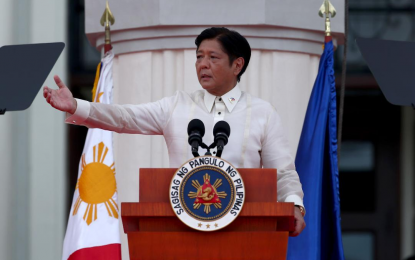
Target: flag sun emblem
(96,185)
(207,193)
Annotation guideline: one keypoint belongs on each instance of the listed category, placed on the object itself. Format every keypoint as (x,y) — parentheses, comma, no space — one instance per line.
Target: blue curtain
(316,163)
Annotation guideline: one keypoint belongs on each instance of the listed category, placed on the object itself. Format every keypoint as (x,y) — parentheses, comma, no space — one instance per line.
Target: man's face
(214,72)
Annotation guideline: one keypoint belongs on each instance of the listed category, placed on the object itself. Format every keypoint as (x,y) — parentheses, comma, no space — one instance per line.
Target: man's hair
(233,44)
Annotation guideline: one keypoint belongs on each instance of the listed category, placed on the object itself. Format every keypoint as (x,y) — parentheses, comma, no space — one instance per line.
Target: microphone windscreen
(196,125)
(223,127)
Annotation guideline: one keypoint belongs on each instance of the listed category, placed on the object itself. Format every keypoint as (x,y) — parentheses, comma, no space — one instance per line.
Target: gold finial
(327,9)
(106,19)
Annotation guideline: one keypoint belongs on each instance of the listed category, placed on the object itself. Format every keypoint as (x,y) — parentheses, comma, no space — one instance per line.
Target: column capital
(148,25)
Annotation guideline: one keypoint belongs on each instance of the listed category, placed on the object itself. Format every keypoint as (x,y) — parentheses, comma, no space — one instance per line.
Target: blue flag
(316,163)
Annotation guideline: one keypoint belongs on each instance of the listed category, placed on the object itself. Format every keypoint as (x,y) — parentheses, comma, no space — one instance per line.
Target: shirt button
(220,99)
(218,113)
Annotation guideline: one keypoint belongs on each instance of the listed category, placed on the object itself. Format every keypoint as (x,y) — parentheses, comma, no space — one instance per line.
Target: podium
(260,232)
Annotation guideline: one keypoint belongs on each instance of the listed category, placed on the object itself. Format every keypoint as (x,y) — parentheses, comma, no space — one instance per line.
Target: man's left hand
(299,222)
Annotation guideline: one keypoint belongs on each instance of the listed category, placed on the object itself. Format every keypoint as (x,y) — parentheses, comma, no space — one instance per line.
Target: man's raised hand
(61,98)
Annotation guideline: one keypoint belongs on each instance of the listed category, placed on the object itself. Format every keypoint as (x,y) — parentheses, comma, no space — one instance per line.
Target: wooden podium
(260,231)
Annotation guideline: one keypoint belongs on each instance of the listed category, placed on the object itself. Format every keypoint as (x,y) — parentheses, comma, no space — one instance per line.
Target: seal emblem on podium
(207,193)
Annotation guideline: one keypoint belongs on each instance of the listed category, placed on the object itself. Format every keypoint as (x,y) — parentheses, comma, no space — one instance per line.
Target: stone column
(153,42)
(33,145)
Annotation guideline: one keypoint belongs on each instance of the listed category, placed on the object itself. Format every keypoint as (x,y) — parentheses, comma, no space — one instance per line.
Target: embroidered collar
(230,99)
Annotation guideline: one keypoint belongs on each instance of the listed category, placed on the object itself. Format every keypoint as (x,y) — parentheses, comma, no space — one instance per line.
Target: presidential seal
(207,193)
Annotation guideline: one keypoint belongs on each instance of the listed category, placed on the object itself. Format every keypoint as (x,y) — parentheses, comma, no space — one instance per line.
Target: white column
(155,56)
(6,153)
(33,145)
(5,186)
(48,142)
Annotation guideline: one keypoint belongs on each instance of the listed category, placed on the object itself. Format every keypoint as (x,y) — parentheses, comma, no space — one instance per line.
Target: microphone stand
(213,145)
(204,146)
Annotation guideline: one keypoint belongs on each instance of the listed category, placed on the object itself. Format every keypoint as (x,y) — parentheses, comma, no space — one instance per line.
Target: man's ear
(238,65)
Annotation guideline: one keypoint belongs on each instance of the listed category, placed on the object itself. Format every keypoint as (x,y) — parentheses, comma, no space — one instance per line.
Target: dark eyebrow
(211,52)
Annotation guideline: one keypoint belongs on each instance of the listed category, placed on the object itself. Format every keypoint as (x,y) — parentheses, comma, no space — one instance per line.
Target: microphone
(221,131)
(195,130)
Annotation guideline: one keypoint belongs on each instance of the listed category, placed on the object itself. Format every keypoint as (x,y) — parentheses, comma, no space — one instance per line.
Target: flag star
(216,225)
(207,226)
(199,225)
